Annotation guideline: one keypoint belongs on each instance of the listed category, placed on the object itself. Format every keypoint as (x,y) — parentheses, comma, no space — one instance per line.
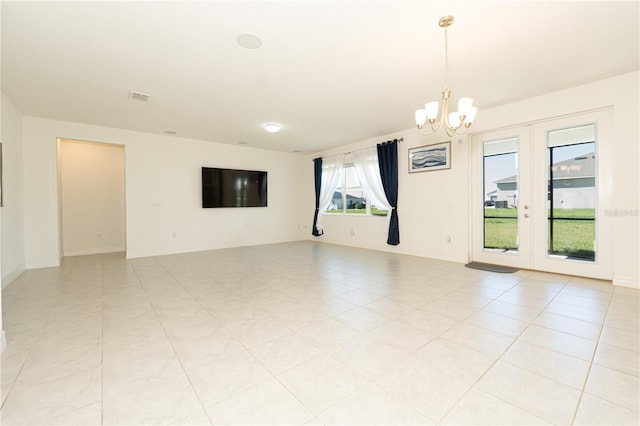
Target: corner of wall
(630,282)
(9,277)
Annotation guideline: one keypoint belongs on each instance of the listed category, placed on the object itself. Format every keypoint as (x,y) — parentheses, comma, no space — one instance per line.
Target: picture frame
(429,158)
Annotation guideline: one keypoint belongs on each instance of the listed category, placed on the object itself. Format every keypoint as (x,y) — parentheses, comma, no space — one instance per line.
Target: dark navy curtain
(388,163)
(317,171)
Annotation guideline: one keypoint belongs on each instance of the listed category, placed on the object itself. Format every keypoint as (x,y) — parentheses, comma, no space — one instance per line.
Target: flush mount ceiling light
(249,41)
(272,127)
(455,123)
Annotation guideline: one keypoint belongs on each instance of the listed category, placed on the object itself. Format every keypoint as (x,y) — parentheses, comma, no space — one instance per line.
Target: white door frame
(601,267)
(532,250)
(522,257)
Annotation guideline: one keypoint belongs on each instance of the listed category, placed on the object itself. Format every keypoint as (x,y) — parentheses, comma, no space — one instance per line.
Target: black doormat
(491,268)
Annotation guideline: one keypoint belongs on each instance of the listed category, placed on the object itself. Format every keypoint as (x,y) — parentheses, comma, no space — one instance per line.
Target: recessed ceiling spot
(139,96)
(241,143)
(296,150)
(170,132)
(272,127)
(249,41)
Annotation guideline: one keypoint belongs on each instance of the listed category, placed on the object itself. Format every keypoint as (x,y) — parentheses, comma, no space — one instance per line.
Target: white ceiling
(332,72)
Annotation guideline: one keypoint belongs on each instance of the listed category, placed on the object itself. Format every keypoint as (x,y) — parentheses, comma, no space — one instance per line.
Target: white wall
(434,205)
(164,198)
(13,253)
(163,192)
(92,183)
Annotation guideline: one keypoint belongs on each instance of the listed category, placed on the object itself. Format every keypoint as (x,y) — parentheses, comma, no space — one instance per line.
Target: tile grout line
(102,340)
(593,357)
(492,364)
(256,360)
(35,338)
(500,357)
(166,278)
(173,349)
(323,353)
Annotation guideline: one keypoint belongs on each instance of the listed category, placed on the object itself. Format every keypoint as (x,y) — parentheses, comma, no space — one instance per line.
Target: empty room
(320,212)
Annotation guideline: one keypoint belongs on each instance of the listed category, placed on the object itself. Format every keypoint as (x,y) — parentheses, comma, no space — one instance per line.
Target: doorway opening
(92,209)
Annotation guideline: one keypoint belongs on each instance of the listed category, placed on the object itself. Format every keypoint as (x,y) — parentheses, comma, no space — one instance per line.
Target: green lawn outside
(378,212)
(574,238)
(501,212)
(557,213)
(574,214)
(501,233)
(570,238)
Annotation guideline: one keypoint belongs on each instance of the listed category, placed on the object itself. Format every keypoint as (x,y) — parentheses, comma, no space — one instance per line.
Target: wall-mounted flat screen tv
(233,188)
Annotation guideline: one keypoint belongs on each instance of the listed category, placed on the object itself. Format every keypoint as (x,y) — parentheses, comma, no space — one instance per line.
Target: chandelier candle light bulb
(455,123)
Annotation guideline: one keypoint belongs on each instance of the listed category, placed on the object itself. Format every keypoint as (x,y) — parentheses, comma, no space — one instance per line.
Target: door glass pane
(500,188)
(571,192)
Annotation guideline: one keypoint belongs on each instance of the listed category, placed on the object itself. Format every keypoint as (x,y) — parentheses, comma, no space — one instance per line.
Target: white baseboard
(101,250)
(42,265)
(631,282)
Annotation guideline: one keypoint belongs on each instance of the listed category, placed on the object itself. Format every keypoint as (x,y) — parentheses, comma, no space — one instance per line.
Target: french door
(537,193)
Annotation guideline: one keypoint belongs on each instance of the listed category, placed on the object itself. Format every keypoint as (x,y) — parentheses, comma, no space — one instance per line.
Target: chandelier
(455,123)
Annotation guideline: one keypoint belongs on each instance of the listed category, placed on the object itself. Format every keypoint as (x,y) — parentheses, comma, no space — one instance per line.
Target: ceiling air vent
(139,96)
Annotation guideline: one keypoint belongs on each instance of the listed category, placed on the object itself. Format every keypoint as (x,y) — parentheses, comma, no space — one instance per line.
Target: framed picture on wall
(430,157)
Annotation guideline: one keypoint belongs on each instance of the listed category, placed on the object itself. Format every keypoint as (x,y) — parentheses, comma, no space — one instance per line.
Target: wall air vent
(139,96)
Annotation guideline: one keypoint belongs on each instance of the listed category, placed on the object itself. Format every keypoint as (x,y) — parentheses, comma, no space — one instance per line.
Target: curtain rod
(396,139)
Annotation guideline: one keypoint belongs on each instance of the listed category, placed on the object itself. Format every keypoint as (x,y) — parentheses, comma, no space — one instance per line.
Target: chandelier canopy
(455,123)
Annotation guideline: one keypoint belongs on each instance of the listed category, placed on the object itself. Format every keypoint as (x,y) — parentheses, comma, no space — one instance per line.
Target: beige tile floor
(311,333)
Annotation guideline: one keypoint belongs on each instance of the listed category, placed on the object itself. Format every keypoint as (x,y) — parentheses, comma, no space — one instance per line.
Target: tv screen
(233,188)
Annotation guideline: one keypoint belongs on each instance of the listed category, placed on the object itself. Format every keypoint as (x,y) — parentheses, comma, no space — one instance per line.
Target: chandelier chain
(446,59)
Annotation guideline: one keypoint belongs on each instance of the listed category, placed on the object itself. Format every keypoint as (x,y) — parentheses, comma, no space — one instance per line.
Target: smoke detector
(139,96)
(249,41)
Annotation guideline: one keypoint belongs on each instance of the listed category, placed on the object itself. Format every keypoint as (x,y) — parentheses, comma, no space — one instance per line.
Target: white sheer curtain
(331,167)
(366,164)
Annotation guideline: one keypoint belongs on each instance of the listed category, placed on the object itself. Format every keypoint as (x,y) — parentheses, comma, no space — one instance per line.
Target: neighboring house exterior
(574,184)
(336,201)
(507,192)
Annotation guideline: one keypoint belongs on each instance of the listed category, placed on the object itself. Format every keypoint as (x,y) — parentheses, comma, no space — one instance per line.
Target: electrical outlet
(448,238)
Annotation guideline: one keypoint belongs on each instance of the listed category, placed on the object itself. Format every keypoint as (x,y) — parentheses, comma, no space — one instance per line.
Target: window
(348,196)
(571,194)
(501,194)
